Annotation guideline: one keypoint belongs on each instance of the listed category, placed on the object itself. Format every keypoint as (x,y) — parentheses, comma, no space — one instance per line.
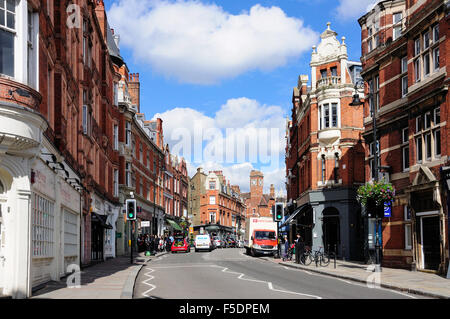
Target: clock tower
(256,184)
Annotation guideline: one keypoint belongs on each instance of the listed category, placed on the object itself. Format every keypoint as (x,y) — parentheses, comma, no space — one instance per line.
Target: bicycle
(318,256)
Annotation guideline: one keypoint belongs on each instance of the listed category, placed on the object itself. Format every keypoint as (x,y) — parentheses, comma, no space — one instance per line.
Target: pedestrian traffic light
(278,217)
(131,209)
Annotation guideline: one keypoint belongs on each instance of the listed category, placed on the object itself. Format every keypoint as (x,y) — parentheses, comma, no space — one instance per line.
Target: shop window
(42,227)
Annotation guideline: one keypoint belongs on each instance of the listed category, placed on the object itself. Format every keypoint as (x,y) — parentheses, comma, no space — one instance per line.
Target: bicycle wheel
(324,259)
(307,259)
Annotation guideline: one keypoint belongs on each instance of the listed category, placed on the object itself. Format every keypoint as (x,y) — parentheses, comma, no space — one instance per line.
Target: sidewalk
(112,279)
(414,282)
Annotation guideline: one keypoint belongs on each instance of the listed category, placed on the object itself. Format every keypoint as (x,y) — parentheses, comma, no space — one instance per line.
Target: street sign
(387,210)
(145,223)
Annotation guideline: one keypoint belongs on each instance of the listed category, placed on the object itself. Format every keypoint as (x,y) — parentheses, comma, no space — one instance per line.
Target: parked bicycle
(318,256)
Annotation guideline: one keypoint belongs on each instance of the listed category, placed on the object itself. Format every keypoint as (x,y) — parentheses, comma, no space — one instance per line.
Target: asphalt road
(230,274)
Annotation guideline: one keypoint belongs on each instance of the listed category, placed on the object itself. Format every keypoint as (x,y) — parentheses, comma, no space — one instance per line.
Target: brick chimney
(134,88)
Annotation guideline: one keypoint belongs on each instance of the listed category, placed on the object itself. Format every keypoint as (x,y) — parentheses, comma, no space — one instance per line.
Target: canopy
(101,219)
(292,216)
(174,225)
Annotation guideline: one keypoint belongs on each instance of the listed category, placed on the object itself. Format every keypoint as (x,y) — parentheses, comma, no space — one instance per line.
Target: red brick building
(324,153)
(404,56)
(257,203)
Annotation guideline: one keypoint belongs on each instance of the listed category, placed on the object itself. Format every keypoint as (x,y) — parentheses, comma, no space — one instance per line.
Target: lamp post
(359,86)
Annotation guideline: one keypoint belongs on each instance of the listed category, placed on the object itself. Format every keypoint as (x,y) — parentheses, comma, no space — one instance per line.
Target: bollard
(335,253)
(316,259)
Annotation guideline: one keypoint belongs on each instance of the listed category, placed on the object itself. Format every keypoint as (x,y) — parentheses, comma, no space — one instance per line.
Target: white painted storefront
(111,212)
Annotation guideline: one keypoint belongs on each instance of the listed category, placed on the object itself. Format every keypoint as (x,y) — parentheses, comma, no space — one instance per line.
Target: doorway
(431,242)
(331,230)
(97,241)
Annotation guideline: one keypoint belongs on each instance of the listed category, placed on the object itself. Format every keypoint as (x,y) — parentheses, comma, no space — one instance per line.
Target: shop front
(103,219)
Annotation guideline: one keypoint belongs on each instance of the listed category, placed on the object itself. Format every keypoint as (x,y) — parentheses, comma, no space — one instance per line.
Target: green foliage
(377,192)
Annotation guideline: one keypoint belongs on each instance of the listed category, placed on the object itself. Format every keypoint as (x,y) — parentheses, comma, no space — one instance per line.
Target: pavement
(414,282)
(111,279)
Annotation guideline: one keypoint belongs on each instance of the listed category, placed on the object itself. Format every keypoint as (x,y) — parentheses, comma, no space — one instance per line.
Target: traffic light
(278,217)
(131,209)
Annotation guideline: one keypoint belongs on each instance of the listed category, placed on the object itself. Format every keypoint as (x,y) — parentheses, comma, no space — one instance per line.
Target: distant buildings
(215,205)
(257,203)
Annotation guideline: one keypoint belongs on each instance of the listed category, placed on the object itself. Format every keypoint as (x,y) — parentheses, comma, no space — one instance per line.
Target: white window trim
(330,102)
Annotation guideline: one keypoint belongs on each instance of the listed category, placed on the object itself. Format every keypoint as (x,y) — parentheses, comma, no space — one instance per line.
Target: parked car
(203,242)
(218,242)
(180,244)
(231,242)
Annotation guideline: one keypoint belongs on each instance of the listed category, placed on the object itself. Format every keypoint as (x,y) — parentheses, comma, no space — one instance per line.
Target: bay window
(428,136)
(7,35)
(328,115)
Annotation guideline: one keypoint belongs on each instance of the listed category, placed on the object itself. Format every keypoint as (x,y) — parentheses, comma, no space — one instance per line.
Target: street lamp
(359,86)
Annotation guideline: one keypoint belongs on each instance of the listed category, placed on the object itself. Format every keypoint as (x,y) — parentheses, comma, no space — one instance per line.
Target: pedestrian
(299,249)
(168,244)
(161,244)
(286,246)
(146,242)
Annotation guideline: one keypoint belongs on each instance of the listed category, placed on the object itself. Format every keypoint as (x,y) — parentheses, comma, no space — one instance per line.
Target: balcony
(331,81)
(22,123)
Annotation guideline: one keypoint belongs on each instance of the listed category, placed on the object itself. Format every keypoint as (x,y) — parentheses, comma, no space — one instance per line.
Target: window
(212,185)
(116,137)
(7,35)
(323,73)
(128,174)
(419,149)
(428,54)
(127,133)
(426,64)
(426,40)
(42,226)
(116,93)
(417,70)
(323,168)
(50,95)
(212,200)
(405,149)
(416,47)
(334,71)
(428,145)
(328,118)
(85,115)
(437,143)
(437,116)
(427,123)
(116,183)
(436,59)
(397,29)
(31,57)
(404,85)
(141,154)
(70,234)
(436,33)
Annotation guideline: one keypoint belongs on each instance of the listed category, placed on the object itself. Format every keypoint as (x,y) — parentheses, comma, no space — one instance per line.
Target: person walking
(168,244)
(299,249)
(286,246)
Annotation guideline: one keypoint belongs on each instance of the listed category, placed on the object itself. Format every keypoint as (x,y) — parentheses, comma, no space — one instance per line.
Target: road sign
(387,210)
(145,223)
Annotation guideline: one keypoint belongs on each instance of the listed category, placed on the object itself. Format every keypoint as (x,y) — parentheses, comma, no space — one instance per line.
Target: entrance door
(97,242)
(431,244)
(330,229)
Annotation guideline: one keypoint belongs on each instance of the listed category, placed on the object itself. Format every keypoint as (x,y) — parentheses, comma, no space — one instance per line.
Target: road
(230,274)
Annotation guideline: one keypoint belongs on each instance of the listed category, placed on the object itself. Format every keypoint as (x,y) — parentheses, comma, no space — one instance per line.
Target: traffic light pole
(131,241)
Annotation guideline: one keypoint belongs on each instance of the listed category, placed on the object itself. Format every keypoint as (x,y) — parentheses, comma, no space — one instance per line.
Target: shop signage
(145,223)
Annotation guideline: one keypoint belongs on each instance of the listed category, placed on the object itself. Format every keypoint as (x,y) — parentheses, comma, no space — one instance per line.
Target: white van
(203,242)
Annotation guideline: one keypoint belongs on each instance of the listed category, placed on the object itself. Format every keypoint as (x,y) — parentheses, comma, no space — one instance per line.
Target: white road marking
(350,282)
(269,284)
(145,294)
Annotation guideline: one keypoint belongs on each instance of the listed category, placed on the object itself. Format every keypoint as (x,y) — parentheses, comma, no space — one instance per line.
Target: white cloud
(203,44)
(353,9)
(245,118)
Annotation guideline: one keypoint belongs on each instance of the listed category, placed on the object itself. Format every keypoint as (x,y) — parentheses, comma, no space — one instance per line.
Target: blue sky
(160,41)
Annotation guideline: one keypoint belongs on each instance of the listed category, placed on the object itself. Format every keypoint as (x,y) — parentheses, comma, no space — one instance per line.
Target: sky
(221,73)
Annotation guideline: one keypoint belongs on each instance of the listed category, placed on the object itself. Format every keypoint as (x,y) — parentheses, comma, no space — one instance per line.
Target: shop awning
(174,225)
(101,219)
(293,215)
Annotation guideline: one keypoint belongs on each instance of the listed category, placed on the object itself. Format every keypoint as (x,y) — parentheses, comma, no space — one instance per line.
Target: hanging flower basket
(376,194)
